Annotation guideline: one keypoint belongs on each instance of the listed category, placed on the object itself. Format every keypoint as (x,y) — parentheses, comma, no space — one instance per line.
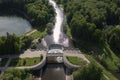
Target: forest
(96,21)
(38,12)
(94,26)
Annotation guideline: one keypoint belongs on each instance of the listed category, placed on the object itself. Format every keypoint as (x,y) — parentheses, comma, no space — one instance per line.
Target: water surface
(15,25)
(54,72)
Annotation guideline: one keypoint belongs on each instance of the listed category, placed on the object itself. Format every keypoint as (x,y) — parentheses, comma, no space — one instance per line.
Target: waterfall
(58,35)
(57,31)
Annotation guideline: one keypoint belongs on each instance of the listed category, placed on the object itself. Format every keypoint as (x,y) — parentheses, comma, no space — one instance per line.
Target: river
(54,72)
(13,24)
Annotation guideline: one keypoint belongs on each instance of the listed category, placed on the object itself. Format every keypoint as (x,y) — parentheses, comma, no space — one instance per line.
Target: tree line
(94,21)
(95,26)
(38,12)
(12,44)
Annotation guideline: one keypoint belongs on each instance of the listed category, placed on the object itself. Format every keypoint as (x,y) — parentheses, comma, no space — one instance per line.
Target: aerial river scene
(59,40)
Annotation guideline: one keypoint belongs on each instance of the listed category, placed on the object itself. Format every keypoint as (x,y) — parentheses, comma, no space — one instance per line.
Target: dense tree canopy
(14,74)
(90,21)
(11,44)
(95,27)
(90,72)
(38,12)
(88,18)
(114,39)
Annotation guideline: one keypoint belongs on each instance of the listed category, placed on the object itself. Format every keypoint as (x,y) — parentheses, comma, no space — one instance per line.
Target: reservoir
(16,25)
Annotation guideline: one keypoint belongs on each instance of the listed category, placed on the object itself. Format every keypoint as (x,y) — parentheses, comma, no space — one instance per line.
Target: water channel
(13,24)
(54,72)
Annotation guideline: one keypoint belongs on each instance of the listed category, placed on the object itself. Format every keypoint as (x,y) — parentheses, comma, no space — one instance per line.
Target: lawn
(3,62)
(25,61)
(76,60)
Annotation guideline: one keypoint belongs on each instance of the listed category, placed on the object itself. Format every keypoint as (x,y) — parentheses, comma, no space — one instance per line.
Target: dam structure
(55,63)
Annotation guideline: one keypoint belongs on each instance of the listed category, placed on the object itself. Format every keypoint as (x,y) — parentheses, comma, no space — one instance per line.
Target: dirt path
(30,32)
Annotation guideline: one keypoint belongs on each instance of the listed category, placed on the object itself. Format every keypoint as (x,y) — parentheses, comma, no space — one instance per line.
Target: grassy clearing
(76,61)
(37,34)
(25,61)
(3,62)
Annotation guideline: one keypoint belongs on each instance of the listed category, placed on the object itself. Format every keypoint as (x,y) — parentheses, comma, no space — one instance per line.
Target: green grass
(25,61)
(37,34)
(3,62)
(76,61)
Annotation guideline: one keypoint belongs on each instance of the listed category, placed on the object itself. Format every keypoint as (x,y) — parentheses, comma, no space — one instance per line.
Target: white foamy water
(59,21)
